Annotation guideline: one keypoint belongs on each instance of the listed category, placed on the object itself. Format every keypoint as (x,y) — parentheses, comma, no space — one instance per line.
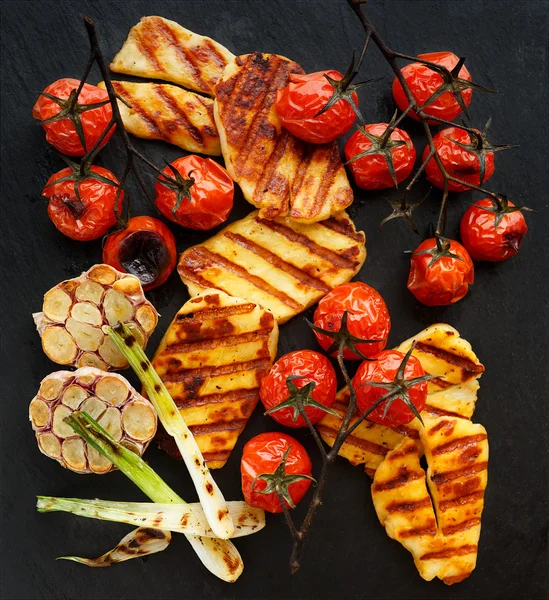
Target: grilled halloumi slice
(156,111)
(281,265)
(277,173)
(212,359)
(442,530)
(442,352)
(162,49)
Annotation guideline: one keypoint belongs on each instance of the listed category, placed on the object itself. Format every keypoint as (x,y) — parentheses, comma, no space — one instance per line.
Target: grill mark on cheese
(182,374)
(146,41)
(430,528)
(463,526)
(460,443)
(456,578)
(404,477)
(439,412)
(342,228)
(219,427)
(352,440)
(219,341)
(468,367)
(180,114)
(136,106)
(300,173)
(441,478)
(241,396)
(449,552)
(410,506)
(209,51)
(440,382)
(205,314)
(444,505)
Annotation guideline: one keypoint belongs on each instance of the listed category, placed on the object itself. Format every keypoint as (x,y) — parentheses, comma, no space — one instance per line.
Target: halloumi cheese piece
(281,265)
(212,359)
(157,111)
(162,49)
(443,533)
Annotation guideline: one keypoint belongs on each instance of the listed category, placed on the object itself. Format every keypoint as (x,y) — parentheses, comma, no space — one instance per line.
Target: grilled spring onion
(219,556)
(211,498)
(178,518)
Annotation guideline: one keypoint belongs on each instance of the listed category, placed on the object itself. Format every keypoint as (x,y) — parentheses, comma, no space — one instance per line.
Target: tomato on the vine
(299,103)
(385,163)
(301,376)
(82,207)
(274,457)
(61,110)
(367,318)
(441,271)
(201,197)
(424,82)
(145,248)
(491,232)
(384,369)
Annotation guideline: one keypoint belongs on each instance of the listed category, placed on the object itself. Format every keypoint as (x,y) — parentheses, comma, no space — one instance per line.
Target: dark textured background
(504,316)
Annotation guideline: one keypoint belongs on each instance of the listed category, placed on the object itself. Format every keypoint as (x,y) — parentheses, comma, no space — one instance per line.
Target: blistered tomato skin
(368,317)
(445,281)
(371,172)
(211,194)
(89,217)
(309,366)
(384,369)
(423,83)
(303,98)
(62,134)
(263,454)
(145,248)
(458,162)
(483,240)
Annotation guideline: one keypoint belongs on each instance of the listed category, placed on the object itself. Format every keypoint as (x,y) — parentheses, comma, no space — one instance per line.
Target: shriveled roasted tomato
(201,196)
(60,112)
(492,232)
(145,248)
(441,271)
(299,103)
(424,82)
(272,460)
(401,385)
(301,376)
(384,164)
(82,207)
(367,318)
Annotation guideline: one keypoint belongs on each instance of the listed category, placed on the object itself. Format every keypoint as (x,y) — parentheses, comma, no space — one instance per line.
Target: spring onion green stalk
(219,556)
(211,498)
(178,518)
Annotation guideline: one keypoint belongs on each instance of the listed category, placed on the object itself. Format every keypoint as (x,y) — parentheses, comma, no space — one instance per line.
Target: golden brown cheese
(281,265)
(277,173)
(212,359)
(162,49)
(165,112)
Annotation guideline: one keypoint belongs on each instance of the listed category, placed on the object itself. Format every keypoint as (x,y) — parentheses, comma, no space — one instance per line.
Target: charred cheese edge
(281,265)
(441,530)
(157,111)
(161,49)
(212,359)
(442,352)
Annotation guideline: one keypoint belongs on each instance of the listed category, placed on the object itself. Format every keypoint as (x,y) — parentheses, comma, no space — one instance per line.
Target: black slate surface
(504,316)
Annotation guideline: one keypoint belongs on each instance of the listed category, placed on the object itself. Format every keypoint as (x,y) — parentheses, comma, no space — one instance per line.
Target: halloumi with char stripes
(443,533)
(281,265)
(161,49)
(212,359)
(165,112)
(453,393)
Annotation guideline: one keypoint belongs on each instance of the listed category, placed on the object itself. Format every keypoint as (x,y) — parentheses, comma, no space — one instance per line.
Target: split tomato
(299,103)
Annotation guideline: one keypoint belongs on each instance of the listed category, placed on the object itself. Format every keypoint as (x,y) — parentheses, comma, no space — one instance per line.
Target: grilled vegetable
(129,418)
(277,173)
(162,49)
(156,111)
(281,265)
(209,494)
(75,310)
(212,359)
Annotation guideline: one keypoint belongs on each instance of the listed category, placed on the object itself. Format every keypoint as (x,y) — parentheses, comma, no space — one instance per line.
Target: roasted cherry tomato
(279,388)
(89,214)
(303,98)
(440,275)
(202,198)
(61,131)
(145,248)
(459,162)
(492,233)
(367,317)
(384,370)
(373,171)
(423,83)
(269,455)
